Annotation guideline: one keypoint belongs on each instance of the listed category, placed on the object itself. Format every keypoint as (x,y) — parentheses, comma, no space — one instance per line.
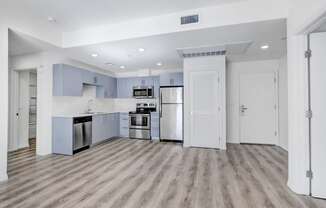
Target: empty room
(162,104)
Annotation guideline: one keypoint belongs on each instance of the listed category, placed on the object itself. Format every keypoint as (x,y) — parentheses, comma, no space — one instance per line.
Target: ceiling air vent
(189,19)
(202,51)
(200,54)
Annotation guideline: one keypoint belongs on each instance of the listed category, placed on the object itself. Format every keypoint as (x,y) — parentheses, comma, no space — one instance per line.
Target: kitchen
(158,104)
(149,108)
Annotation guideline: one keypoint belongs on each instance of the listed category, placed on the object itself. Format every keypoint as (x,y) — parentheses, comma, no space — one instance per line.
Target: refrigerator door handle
(161,104)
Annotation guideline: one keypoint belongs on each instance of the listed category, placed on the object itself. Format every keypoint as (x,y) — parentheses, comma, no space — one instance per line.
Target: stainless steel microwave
(143,92)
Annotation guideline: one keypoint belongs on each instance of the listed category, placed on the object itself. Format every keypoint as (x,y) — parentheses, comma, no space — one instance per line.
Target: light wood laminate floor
(134,173)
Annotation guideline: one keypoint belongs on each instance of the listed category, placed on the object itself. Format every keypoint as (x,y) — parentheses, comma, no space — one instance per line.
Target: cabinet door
(155,125)
(72,81)
(67,81)
(110,125)
(121,87)
(111,87)
(88,77)
(156,84)
(171,79)
(97,134)
(113,125)
(114,88)
(102,86)
(124,124)
(125,86)
(178,79)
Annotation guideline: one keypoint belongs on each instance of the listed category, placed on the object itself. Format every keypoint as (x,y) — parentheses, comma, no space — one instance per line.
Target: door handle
(160,104)
(243,108)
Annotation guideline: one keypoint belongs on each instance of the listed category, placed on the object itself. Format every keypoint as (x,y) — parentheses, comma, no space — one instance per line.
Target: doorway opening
(22,112)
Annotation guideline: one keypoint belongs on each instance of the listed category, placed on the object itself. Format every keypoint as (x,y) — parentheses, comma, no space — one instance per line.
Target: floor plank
(143,174)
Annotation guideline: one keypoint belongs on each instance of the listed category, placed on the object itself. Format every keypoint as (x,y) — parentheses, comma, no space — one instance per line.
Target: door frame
(14,102)
(276,93)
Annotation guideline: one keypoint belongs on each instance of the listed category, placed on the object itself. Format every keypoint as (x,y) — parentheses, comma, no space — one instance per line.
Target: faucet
(89,105)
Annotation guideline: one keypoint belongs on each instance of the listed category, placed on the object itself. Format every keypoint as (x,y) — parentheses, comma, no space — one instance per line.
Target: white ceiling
(322,28)
(77,14)
(242,41)
(163,48)
(20,44)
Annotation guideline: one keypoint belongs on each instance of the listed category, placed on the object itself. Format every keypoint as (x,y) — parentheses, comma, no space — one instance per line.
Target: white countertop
(78,115)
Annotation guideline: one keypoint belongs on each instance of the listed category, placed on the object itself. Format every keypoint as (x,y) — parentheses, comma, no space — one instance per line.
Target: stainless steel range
(140,121)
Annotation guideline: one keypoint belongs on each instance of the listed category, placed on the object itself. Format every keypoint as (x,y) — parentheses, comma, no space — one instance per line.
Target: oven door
(139,121)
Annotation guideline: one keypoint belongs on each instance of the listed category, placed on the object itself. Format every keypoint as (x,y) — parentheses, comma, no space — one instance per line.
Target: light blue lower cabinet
(155,125)
(62,135)
(98,130)
(105,126)
(124,124)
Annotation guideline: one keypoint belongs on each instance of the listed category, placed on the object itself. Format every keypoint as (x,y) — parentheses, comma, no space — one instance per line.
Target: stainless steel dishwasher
(82,137)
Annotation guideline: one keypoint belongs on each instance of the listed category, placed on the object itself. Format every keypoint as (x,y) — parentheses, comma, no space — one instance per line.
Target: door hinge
(309,174)
(309,114)
(308,53)
(275,80)
(218,80)
(275,133)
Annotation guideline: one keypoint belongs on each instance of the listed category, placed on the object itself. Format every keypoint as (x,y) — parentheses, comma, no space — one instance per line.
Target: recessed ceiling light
(52,19)
(122,67)
(264,47)
(141,49)
(159,64)
(94,55)
(109,64)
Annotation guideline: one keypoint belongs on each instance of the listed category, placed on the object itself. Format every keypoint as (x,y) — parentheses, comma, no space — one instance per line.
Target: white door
(318,121)
(258,108)
(204,109)
(19,104)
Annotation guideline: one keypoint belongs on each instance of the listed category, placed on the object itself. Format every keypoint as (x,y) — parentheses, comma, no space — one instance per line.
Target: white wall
(4,88)
(204,63)
(232,82)
(303,14)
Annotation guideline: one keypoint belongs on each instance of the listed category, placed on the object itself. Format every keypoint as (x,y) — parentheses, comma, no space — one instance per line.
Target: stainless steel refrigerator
(171,113)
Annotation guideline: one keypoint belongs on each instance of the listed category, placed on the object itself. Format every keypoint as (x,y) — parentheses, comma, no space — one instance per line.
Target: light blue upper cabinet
(67,80)
(125,86)
(107,87)
(111,87)
(144,81)
(171,79)
(89,77)
(156,84)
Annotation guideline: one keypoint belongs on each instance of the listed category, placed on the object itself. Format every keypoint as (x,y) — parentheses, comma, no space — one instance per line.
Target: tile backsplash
(76,105)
